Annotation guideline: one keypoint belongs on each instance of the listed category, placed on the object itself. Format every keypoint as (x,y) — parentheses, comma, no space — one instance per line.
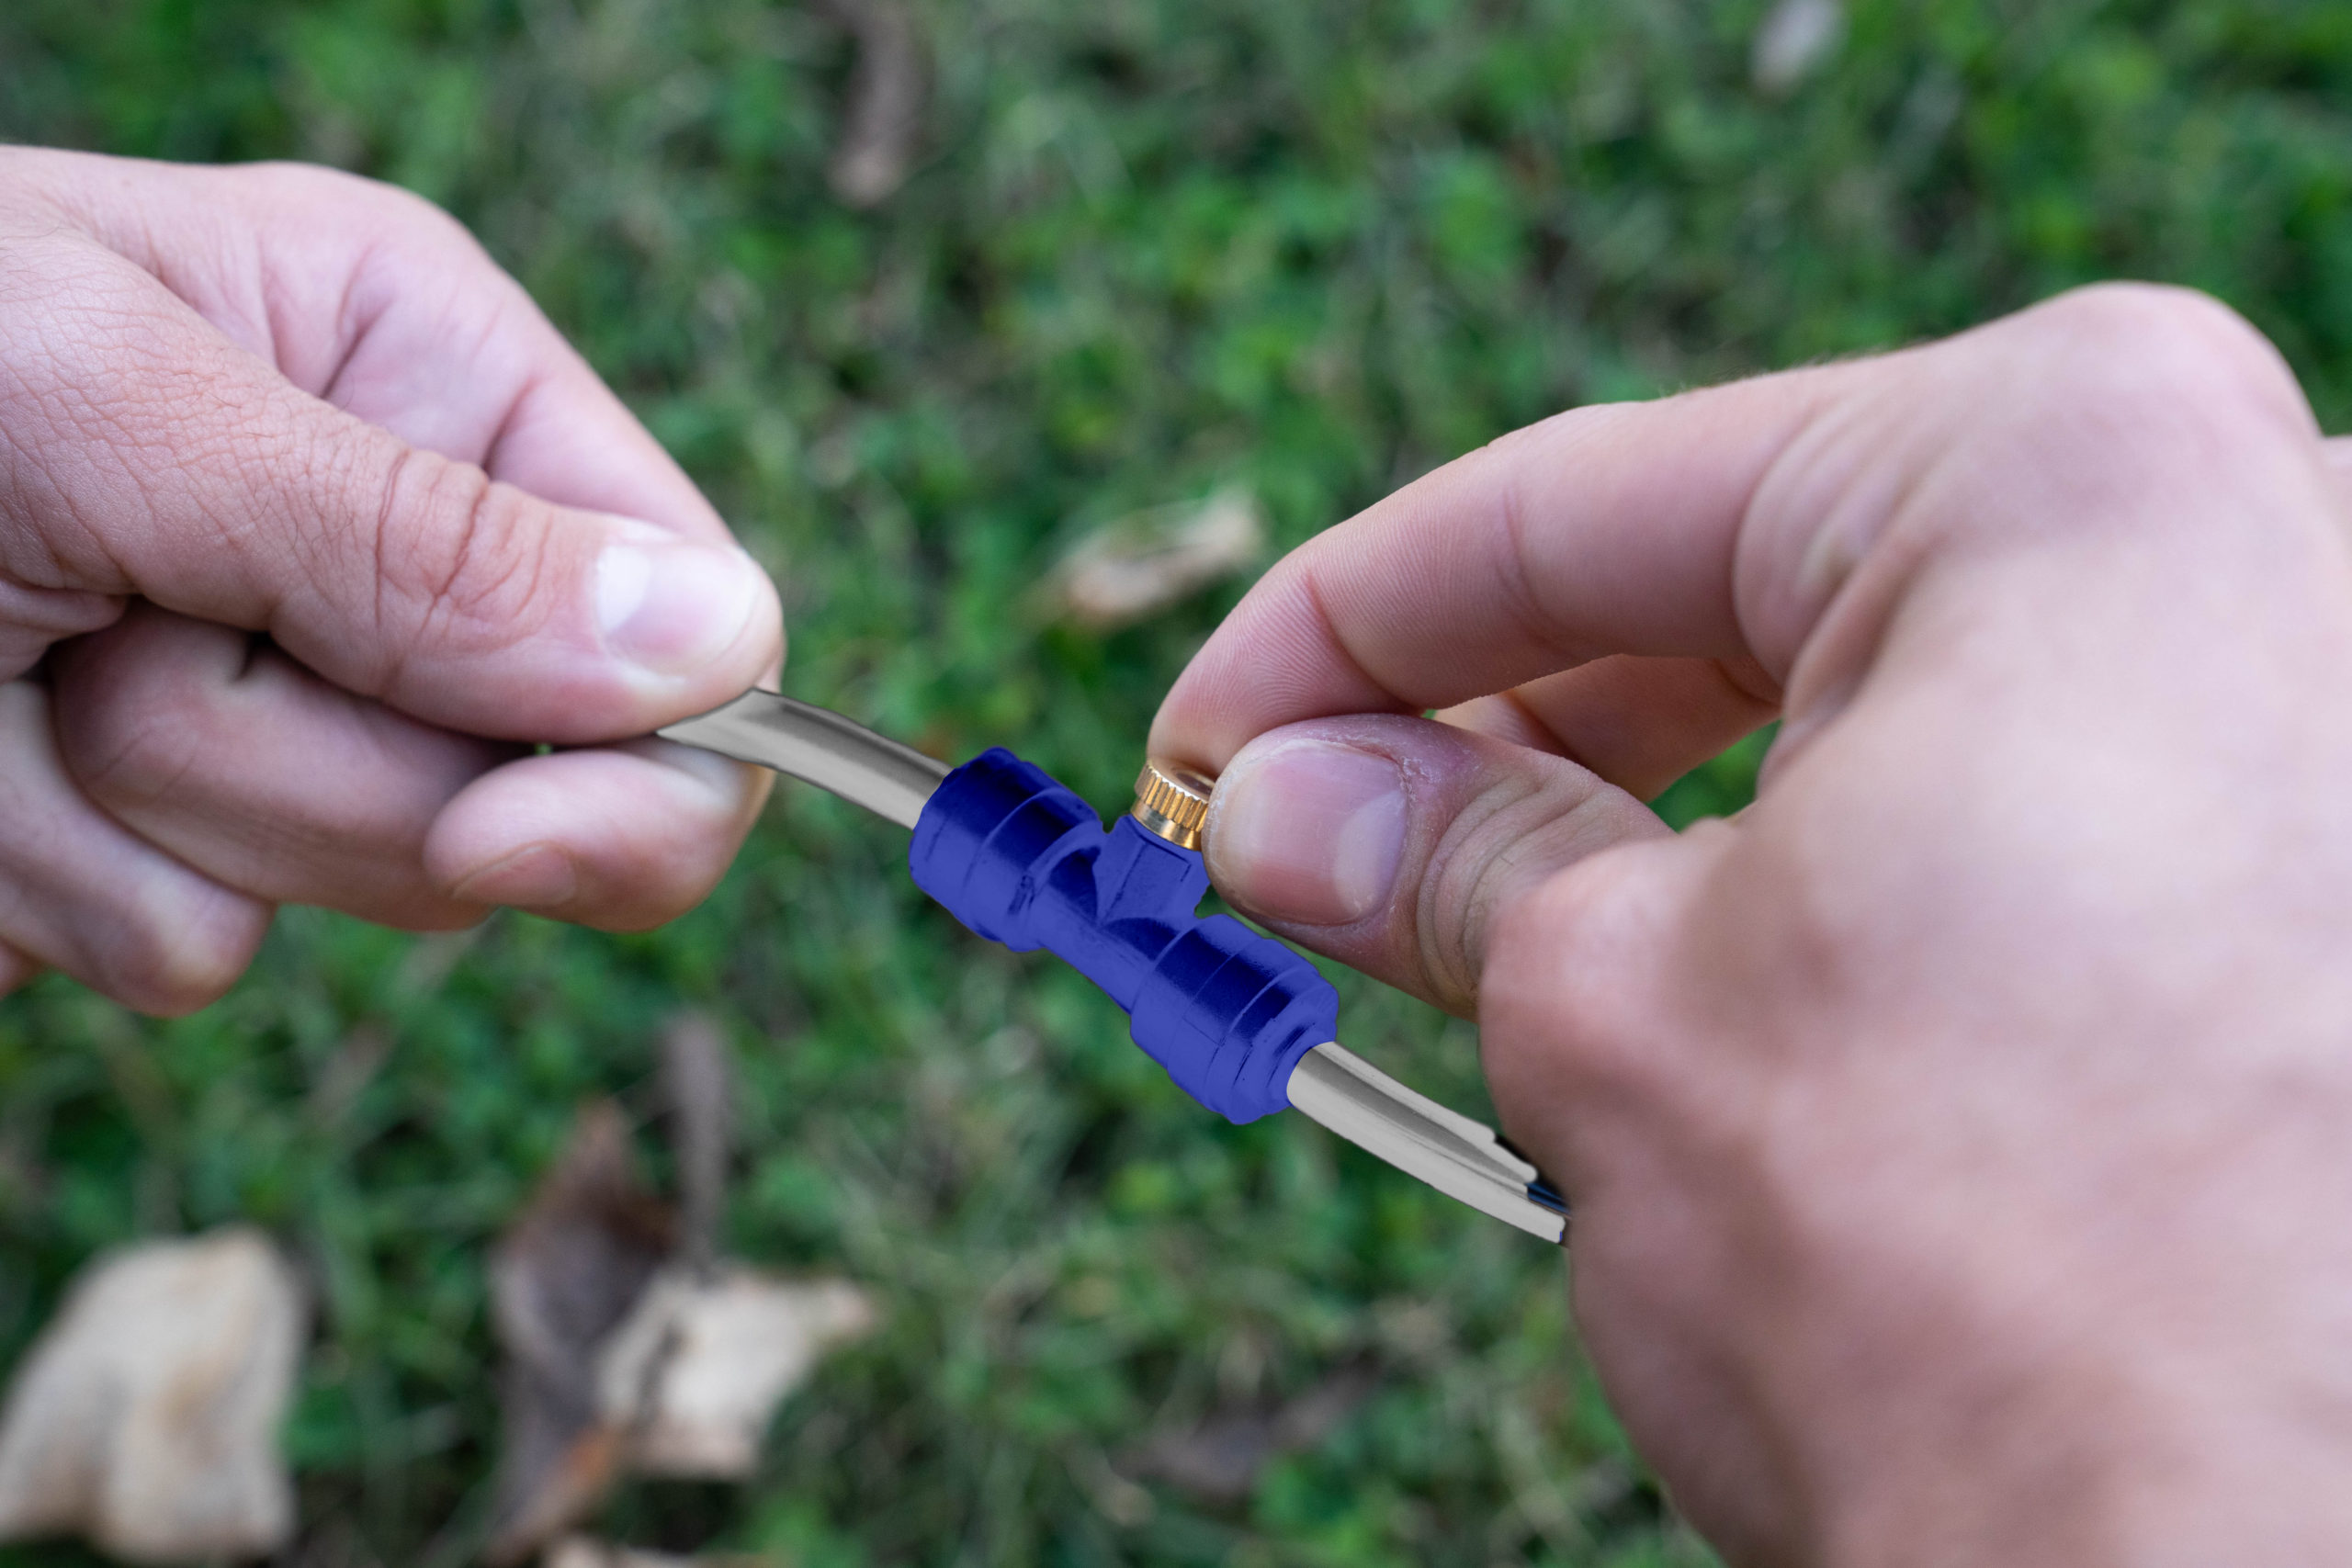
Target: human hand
(311,525)
(1959,1139)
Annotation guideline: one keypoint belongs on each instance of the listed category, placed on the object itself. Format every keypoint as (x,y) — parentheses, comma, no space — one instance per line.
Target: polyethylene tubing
(1242,1024)
(1023,860)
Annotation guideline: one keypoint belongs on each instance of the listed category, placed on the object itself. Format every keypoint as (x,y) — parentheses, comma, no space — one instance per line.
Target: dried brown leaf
(1219,1461)
(145,1417)
(1139,565)
(1794,39)
(698,1368)
(583,1551)
(347,1072)
(699,1083)
(882,120)
(566,1274)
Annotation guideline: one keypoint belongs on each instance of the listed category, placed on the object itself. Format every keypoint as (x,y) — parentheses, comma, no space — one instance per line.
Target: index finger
(1605,530)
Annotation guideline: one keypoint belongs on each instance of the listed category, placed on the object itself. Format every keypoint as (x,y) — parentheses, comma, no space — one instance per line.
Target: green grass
(1313,247)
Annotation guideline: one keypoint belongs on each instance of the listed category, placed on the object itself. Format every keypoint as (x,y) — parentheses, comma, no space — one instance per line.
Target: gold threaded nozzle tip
(1172,802)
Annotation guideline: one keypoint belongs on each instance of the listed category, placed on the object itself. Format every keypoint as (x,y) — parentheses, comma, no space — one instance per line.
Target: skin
(1957,1139)
(312,530)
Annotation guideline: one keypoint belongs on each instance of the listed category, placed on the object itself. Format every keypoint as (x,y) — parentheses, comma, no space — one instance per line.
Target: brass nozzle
(1172,802)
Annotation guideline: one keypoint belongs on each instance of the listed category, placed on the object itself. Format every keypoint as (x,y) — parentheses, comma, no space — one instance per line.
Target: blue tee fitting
(1023,860)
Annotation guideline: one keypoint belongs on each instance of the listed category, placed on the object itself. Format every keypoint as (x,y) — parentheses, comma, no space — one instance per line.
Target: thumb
(1391,844)
(151,456)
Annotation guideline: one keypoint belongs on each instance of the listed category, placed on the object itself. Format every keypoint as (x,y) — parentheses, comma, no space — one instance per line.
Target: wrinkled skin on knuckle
(171,964)
(131,726)
(643,888)
(1472,862)
(2122,422)
(462,567)
(248,768)
(1483,820)
(2091,405)
(1499,847)
(2129,341)
(129,753)
(108,405)
(396,257)
(2051,420)
(313,188)
(364,214)
(75,341)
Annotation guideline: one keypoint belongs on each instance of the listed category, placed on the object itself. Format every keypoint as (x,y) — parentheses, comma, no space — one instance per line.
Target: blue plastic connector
(1023,860)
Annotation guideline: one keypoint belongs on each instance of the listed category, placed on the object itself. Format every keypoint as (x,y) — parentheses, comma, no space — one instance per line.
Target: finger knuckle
(1503,847)
(316,190)
(1476,872)
(131,754)
(462,561)
(2133,314)
(174,953)
(2136,352)
(129,737)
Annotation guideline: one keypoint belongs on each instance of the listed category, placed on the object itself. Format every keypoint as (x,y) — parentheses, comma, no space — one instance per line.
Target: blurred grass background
(1151,248)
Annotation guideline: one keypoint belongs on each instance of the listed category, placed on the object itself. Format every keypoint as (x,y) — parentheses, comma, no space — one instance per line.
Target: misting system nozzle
(1172,802)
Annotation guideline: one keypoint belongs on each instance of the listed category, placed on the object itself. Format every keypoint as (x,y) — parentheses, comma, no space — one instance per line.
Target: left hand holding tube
(310,524)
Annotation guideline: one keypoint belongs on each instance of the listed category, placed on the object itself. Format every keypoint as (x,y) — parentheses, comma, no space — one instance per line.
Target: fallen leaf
(1139,565)
(347,1074)
(1794,38)
(698,1368)
(567,1273)
(1221,1459)
(581,1551)
(623,1353)
(883,116)
(701,1090)
(146,1417)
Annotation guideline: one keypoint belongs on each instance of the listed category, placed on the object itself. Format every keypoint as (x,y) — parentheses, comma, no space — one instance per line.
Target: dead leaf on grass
(1795,38)
(566,1274)
(347,1072)
(883,116)
(701,1090)
(632,1349)
(580,1552)
(698,1368)
(146,1417)
(1139,565)
(1221,1459)
(584,1552)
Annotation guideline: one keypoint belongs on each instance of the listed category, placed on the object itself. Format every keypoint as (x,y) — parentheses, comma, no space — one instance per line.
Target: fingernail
(539,876)
(672,607)
(1310,832)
